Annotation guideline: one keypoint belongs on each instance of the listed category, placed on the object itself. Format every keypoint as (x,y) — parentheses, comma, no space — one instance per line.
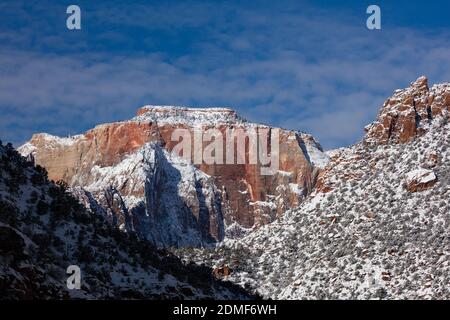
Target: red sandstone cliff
(247,197)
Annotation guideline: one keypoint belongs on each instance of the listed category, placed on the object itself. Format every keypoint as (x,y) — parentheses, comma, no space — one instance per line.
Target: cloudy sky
(305,65)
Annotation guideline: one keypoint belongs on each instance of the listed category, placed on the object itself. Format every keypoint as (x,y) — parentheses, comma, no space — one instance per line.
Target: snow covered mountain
(126,170)
(377,224)
(44,230)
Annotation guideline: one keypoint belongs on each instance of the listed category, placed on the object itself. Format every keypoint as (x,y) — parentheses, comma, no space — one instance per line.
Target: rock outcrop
(238,195)
(420,179)
(408,113)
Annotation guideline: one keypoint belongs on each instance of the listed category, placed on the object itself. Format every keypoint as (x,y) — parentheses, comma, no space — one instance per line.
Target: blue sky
(305,65)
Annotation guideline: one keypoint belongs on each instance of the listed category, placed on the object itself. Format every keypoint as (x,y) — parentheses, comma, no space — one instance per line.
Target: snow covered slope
(365,233)
(44,230)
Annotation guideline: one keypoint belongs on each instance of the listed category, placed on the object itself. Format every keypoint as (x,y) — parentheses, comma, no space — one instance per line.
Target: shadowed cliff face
(160,197)
(245,198)
(182,205)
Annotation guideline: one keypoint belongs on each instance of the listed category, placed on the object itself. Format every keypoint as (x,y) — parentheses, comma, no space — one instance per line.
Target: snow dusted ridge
(51,140)
(218,116)
(187,115)
(365,233)
(409,112)
(65,141)
(27,149)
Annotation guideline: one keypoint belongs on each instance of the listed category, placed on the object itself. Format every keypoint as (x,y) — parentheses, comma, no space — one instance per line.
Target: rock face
(407,115)
(408,112)
(207,201)
(222,271)
(420,179)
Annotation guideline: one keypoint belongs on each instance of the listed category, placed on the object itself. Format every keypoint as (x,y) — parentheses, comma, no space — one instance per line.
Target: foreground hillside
(378,224)
(43,230)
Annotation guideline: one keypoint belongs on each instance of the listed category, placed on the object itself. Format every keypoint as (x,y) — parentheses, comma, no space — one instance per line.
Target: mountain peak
(420,84)
(409,113)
